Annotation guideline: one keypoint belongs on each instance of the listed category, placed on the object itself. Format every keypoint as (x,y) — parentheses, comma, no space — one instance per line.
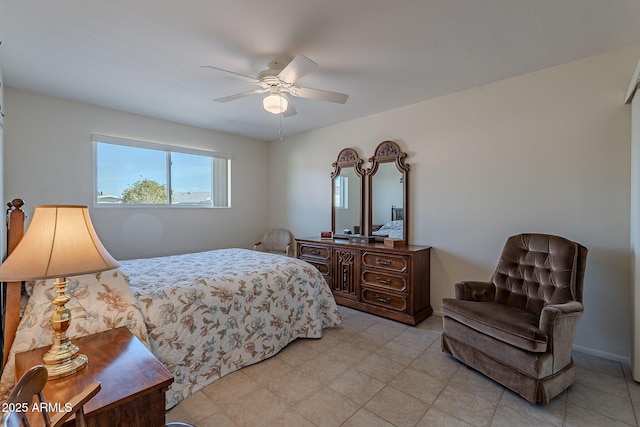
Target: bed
(203,315)
(393,229)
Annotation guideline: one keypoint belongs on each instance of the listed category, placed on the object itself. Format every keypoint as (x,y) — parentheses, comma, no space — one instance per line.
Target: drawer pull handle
(384,300)
(381,262)
(384,282)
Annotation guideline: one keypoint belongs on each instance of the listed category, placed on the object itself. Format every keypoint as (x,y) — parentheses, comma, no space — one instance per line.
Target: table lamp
(59,242)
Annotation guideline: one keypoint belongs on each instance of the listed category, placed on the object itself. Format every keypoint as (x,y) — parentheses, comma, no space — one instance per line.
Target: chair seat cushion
(508,324)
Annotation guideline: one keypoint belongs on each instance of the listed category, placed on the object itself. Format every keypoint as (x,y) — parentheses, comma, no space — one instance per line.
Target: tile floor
(372,372)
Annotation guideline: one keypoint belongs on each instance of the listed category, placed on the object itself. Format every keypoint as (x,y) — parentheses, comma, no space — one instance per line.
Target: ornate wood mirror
(388,190)
(347,194)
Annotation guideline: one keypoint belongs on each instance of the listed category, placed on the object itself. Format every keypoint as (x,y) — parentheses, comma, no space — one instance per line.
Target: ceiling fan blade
(323,95)
(298,67)
(233,74)
(240,95)
(291,110)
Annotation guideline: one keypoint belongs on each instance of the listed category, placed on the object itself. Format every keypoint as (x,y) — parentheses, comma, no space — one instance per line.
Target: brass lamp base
(65,368)
(63,358)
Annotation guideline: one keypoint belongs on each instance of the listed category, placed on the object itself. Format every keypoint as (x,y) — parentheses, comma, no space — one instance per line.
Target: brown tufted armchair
(518,329)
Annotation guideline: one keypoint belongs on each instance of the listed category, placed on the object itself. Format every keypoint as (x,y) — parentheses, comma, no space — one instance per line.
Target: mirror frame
(387,152)
(347,158)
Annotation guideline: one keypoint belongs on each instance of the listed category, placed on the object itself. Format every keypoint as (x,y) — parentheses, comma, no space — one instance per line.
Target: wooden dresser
(392,282)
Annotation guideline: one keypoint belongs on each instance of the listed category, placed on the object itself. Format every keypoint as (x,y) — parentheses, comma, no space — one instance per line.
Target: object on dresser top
(361,239)
(394,243)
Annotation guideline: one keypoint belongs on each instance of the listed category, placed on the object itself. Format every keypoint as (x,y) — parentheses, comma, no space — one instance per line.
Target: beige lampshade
(59,242)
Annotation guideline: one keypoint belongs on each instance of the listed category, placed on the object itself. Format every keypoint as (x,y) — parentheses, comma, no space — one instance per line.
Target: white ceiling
(144,56)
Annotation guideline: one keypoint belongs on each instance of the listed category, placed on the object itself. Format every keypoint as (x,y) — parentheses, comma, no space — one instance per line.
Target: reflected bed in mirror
(347,194)
(394,229)
(388,186)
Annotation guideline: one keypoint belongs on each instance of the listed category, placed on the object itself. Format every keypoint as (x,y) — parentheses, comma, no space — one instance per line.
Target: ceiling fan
(279,81)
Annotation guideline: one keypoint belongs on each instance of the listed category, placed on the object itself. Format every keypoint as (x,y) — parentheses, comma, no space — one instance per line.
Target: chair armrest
(552,313)
(560,322)
(74,406)
(475,291)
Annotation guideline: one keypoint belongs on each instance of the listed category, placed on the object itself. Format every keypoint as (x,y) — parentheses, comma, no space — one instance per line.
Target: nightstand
(133,381)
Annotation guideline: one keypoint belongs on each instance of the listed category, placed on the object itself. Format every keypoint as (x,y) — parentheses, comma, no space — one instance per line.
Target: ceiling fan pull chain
(280,119)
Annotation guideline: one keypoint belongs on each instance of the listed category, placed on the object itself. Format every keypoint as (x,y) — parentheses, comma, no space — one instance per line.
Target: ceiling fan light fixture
(275,103)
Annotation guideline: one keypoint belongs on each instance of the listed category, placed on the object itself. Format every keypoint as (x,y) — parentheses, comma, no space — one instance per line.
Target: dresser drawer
(384,299)
(393,282)
(324,269)
(309,252)
(392,262)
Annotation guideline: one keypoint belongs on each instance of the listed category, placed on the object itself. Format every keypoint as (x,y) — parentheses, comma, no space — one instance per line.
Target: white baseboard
(603,354)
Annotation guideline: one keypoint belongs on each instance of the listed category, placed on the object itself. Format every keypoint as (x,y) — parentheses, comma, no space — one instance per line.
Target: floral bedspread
(211,313)
(203,315)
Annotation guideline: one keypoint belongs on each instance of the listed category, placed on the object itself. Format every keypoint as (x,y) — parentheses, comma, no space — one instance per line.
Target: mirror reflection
(347,194)
(347,197)
(387,189)
(387,199)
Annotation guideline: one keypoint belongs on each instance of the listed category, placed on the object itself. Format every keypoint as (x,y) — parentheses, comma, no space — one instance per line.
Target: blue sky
(120,166)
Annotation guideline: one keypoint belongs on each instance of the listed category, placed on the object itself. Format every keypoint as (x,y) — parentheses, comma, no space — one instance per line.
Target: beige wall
(49,160)
(544,152)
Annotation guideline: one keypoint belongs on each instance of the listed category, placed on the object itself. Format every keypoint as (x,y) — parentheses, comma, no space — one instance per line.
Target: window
(129,172)
(341,192)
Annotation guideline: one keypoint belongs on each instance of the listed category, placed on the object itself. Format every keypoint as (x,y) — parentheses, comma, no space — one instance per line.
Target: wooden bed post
(15,231)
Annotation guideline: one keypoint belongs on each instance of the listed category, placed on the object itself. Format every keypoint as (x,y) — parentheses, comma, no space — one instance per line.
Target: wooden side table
(133,381)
